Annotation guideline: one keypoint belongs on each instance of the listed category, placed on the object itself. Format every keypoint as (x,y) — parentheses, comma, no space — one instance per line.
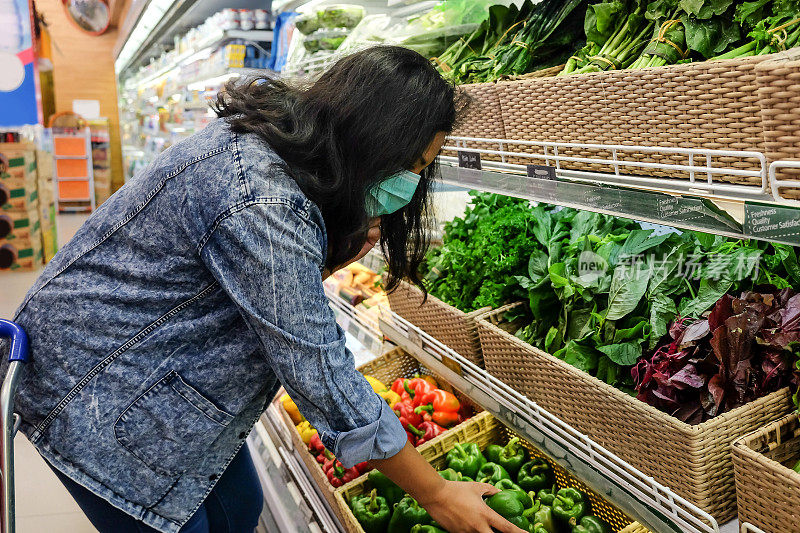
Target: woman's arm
(456,505)
(267,257)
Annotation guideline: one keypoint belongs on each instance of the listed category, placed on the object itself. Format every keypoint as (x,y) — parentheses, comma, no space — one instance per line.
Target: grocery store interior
(606,322)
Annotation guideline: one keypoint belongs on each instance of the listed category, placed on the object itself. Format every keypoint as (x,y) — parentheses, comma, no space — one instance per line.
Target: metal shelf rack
(703,201)
(655,506)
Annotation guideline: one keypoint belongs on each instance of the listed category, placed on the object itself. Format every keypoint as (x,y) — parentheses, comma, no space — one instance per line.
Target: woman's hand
(459,508)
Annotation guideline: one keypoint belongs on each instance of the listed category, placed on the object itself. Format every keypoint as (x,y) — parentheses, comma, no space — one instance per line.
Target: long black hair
(371,114)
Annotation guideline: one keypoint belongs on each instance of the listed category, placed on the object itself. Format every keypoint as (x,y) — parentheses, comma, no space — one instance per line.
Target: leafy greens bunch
(601,291)
(640,33)
(770,26)
(481,253)
(746,348)
(514,41)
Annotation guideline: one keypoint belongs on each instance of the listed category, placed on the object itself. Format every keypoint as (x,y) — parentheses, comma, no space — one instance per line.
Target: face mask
(392,194)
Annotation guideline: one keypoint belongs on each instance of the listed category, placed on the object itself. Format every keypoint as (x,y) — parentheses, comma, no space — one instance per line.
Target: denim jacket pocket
(168,424)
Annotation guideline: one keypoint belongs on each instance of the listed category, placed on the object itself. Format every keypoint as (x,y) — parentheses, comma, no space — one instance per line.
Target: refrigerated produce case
(708,147)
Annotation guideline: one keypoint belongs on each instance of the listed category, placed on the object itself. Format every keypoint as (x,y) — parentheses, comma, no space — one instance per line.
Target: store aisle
(42,502)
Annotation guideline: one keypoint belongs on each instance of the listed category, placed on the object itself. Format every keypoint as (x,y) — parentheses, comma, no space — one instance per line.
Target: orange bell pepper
(443,407)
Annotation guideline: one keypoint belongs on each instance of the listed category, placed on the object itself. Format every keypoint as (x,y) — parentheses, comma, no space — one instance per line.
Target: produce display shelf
(701,202)
(251,36)
(641,497)
(312,493)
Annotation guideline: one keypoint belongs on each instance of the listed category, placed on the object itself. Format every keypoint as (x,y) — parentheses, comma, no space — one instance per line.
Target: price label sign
(542,172)
(469,160)
(414,337)
(452,364)
(773,222)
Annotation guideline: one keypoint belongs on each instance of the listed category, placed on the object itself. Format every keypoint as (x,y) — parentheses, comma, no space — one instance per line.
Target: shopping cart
(17,357)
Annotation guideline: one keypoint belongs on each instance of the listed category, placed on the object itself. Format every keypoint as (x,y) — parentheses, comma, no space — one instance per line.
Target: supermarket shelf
(207,45)
(640,496)
(708,204)
(271,421)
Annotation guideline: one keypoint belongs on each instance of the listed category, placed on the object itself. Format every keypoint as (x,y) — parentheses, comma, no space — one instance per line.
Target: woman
(162,330)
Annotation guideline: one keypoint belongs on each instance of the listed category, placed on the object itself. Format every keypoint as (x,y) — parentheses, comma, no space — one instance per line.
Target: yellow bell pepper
(390,396)
(377,386)
(291,409)
(306,431)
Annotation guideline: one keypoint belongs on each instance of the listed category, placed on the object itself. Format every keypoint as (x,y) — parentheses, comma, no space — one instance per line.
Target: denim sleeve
(268,258)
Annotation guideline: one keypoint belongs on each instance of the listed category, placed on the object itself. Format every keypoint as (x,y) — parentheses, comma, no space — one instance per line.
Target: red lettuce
(744,348)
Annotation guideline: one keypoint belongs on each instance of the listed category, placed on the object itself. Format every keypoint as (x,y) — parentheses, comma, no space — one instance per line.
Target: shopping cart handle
(19,340)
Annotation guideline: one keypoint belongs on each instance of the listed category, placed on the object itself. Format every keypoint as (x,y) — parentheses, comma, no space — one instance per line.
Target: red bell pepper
(414,433)
(411,438)
(325,456)
(417,389)
(431,430)
(443,407)
(405,411)
(315,445)
(339,475)
(363,467)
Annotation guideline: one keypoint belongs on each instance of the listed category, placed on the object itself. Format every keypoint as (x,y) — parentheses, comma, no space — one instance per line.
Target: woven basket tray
(779,93)
(386,368)
(443,322)
(710,105)
(485,430)
(481,119)
(694,461)
(767,488)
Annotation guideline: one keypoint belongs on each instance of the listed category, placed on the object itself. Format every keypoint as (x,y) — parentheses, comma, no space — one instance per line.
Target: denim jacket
(161,331)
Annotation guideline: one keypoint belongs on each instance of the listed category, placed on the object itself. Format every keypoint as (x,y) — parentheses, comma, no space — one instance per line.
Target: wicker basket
(444,322)
(481,119)
(779,92)
(694,461)
(486,430)
(386,368)
(710,105)
(767,488)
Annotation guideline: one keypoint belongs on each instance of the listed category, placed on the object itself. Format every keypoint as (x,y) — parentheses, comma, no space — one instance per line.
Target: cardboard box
(18,169)
(16,225)
(13,258)
(20,199)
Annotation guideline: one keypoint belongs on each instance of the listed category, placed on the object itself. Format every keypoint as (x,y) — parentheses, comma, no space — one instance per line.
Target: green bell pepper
(505,484)
(420,528)
(547,496)
(451,475)
(521,522)
(509,503)
(492,473)
(797,464)
(465,458)
(540,515)
(386,487)
(407,513)
(536,474)
(372,512)
(511,456)
(591,524)
(539,528)
(569,506)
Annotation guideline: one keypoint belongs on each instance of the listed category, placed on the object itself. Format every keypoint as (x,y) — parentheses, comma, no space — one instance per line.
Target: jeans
(233,506)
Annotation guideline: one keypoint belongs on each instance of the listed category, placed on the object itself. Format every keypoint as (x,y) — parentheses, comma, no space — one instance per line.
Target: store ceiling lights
(149,19)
